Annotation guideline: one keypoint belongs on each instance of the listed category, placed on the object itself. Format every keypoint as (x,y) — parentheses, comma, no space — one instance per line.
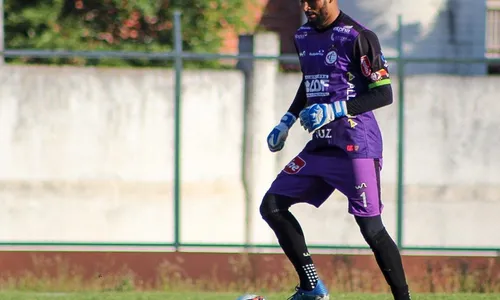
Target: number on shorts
(363,195)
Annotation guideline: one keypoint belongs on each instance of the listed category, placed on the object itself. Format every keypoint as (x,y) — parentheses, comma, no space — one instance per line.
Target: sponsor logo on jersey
(317,85)
(317,53)
(352,123)
(352,148)
(379,75)
(351,88)
(343,29)
(350,76)
(323,133)
(301,36)
(294,166)
(386,64)
(336,38)
(361,186)
(351,91)
(331,57)
(366,67)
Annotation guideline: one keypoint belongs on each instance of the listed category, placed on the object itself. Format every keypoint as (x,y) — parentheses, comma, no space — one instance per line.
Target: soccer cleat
(320,292)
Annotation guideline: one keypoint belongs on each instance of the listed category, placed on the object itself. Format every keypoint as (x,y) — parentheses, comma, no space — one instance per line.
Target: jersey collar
(333,24)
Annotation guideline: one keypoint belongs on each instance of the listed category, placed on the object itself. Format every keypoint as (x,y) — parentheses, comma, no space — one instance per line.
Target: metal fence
(179,56)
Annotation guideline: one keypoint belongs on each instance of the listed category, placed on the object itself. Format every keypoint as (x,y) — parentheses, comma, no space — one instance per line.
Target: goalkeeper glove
(317,115)
(276,139)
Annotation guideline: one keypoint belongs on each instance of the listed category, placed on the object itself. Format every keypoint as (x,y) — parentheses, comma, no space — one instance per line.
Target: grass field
(219,296)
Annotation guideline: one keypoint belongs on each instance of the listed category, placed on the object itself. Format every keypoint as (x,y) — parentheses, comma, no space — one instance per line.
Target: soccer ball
(250,297)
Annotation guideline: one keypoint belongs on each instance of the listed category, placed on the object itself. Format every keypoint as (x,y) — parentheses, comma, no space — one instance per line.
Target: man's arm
(300,100)
(276,139)
(368,53)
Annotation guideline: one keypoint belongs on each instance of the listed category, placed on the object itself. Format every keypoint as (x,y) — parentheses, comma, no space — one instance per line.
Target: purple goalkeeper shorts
(312,178)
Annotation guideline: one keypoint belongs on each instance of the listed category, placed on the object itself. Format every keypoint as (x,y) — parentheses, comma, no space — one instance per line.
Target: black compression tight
(386,254)
(275,211)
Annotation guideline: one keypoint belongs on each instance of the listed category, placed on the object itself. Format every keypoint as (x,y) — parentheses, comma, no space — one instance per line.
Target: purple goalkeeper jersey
(338,63)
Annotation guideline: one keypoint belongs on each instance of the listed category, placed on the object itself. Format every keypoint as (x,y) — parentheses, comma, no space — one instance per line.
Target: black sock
(291,239)
(386,254)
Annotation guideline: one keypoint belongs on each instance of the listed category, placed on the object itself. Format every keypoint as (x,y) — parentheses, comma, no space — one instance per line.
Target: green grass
(219,296)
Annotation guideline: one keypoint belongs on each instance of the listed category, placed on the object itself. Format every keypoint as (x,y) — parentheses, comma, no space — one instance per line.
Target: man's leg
(366,205)
(386,254)
(296,183)
(275,211)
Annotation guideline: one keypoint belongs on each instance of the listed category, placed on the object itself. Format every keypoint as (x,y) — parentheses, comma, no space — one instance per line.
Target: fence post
(245,46)
(401,125)
(177,128)
(259,162)
(2,32)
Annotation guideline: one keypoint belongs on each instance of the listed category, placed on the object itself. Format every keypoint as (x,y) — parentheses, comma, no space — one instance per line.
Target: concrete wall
(87,155)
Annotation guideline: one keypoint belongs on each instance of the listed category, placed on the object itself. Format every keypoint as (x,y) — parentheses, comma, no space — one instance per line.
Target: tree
(117,25)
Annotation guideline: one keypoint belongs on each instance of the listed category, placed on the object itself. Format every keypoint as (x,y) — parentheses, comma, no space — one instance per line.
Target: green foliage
(117,25)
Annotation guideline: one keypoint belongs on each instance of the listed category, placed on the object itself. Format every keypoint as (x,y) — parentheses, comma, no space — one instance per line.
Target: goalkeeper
(345,77)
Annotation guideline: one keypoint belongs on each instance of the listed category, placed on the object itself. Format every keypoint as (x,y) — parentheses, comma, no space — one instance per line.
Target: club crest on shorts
(294,166)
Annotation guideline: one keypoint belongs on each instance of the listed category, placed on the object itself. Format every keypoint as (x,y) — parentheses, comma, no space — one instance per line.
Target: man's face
(316,11)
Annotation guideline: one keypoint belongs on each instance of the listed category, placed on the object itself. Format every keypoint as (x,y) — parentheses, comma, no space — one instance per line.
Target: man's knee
(373,230)
(273,204)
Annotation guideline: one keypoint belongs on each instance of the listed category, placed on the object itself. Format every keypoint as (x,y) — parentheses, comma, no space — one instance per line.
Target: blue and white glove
(317,115)
(276,139)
